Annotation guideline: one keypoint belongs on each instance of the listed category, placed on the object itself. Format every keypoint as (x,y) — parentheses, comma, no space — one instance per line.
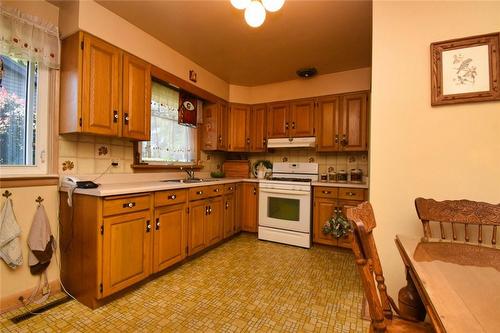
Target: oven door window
(283,208)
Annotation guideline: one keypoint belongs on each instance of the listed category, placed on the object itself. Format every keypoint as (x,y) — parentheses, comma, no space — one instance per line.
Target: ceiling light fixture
(255,10)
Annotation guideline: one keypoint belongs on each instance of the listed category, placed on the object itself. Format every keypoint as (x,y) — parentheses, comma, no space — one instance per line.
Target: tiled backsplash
(87,154)
(339,161)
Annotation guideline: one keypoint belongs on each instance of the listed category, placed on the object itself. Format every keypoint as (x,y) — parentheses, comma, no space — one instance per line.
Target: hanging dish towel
(10,245)
(40,242)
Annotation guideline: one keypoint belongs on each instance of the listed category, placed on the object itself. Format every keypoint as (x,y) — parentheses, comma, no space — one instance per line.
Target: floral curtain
(28,38)
(170,141)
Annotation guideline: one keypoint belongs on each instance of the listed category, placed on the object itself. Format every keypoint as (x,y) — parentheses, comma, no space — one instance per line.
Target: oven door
(285,209)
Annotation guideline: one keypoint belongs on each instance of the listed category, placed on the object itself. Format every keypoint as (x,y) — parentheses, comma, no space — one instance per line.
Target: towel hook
(39,200)
(6,194)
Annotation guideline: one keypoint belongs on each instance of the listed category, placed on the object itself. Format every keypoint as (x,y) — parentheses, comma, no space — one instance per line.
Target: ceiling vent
(307,72)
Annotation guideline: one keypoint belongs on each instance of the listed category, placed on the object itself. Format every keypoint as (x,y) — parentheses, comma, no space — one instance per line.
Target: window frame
(139,164)
(41,165)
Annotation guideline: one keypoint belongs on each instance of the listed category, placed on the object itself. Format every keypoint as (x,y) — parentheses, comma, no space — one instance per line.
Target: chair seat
(398,325)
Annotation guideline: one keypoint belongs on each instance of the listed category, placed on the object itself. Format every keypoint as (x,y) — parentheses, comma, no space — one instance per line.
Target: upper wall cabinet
(257,124)
(238,126)
(342,122)
(214,129)
(291,119)
(104,90)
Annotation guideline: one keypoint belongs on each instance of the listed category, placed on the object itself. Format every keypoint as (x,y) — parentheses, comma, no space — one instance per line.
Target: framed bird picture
(465,70)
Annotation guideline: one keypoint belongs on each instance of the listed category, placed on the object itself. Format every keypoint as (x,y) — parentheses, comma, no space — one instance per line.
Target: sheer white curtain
(28,38)
(170,142)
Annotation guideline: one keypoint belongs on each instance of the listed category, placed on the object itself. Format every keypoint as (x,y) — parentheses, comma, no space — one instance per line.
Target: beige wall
(447,152)
(327,84)
(102,23)
(23,199)
(15,281)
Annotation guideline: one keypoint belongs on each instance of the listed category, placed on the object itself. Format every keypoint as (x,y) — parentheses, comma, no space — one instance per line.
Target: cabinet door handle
(125,119)
(199,192)
(248,141)
(148,226)
(172,197)
(157,224)
(115,116)
(264,141)
(336,138)
(286,125)
(327,192)
(216,190)
(220,138)
(129,205)
(209,210)
(293,124)
(206,210)
(254,191)
(344,142)
(227,204)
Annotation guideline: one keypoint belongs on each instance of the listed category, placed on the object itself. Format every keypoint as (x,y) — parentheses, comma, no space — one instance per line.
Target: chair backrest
(463,212)
(368,262)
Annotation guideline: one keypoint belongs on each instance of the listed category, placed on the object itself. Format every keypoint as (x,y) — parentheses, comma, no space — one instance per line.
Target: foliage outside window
(170,143)
(23,112)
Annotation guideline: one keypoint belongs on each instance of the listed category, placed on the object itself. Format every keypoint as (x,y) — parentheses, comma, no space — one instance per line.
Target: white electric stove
(285,204)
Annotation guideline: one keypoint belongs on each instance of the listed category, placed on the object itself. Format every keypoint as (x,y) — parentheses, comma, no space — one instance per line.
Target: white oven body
(285,214)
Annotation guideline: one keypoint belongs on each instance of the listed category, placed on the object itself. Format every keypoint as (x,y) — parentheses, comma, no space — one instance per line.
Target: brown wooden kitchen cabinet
(170,228)
(250,202)
(229,210)
(214,224)
(291,119)
(256,126)
(342,122)
(104,90)
(214,129)
(238,206)
(238,128)
(329,201)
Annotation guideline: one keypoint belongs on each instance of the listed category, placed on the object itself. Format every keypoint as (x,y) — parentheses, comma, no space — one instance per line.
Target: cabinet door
(126,251)
(237,120)
(214,222)
(257,128)
(277,120)
(222,127)
(136,98)
(327,124)
(170,236)
(322,211)
(210,131)
(198,211)
(250,208)
(302,118)
(343,205)
(238,204)
(229,213)
(354,119)
(101,85)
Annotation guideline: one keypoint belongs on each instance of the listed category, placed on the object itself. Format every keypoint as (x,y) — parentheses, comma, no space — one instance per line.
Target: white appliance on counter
(285,204)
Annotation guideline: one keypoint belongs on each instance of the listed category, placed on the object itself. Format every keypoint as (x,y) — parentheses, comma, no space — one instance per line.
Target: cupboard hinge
(81,44)
(100,287)
(102,229)
(80,121)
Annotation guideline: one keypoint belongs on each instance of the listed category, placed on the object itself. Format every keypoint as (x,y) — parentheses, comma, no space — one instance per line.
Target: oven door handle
(274,191)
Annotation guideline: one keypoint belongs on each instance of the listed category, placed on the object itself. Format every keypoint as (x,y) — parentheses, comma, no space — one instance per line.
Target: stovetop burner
(290,179)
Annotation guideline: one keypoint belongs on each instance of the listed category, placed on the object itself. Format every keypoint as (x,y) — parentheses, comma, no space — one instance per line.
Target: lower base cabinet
(329,201)
(249,209)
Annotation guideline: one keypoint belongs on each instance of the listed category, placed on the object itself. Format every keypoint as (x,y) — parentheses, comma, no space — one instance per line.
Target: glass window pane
(18,92)
(283,209)
(170,142)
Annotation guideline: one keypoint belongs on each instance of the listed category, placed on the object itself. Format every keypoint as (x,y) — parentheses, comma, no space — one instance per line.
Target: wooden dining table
(458,283)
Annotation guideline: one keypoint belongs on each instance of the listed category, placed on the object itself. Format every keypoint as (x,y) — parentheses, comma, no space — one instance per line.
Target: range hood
(291,142)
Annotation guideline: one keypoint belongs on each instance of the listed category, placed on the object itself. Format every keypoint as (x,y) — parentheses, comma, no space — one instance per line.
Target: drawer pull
(327,192)
(199,192)
(230,189)
(148,226)
(157,224)
(129,205)
(172,197)
(351,194)
(216,190)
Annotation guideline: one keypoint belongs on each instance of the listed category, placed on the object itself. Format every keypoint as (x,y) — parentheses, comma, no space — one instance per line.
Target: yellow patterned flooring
(244,285)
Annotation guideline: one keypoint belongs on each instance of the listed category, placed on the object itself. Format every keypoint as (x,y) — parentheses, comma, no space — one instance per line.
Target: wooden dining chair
(380,304)
(464,212)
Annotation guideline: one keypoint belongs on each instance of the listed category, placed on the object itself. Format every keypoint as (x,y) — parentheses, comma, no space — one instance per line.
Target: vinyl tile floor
(244,285)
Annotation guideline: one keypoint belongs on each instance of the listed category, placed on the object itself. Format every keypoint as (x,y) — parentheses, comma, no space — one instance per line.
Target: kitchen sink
(190,181)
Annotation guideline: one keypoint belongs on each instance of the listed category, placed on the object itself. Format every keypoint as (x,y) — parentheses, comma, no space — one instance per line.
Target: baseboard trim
(12,302)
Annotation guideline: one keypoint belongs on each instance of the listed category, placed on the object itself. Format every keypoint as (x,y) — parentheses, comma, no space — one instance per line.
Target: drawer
(216,190)
(198,192)
(171,197)
(125,204)
(345,241)
(229,188)
(352,193)
(326,192)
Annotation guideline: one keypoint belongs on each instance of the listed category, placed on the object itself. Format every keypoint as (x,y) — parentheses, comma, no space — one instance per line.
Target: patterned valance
(28,37)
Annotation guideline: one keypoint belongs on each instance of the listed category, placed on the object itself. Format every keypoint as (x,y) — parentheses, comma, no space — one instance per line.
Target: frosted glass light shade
(255,14)
(240,4)
(273,5)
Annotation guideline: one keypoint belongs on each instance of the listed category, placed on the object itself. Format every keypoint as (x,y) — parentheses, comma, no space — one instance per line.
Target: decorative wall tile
(102,150)
(67,166)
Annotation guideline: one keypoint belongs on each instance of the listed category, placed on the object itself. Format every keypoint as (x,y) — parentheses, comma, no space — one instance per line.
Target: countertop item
(236,168)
